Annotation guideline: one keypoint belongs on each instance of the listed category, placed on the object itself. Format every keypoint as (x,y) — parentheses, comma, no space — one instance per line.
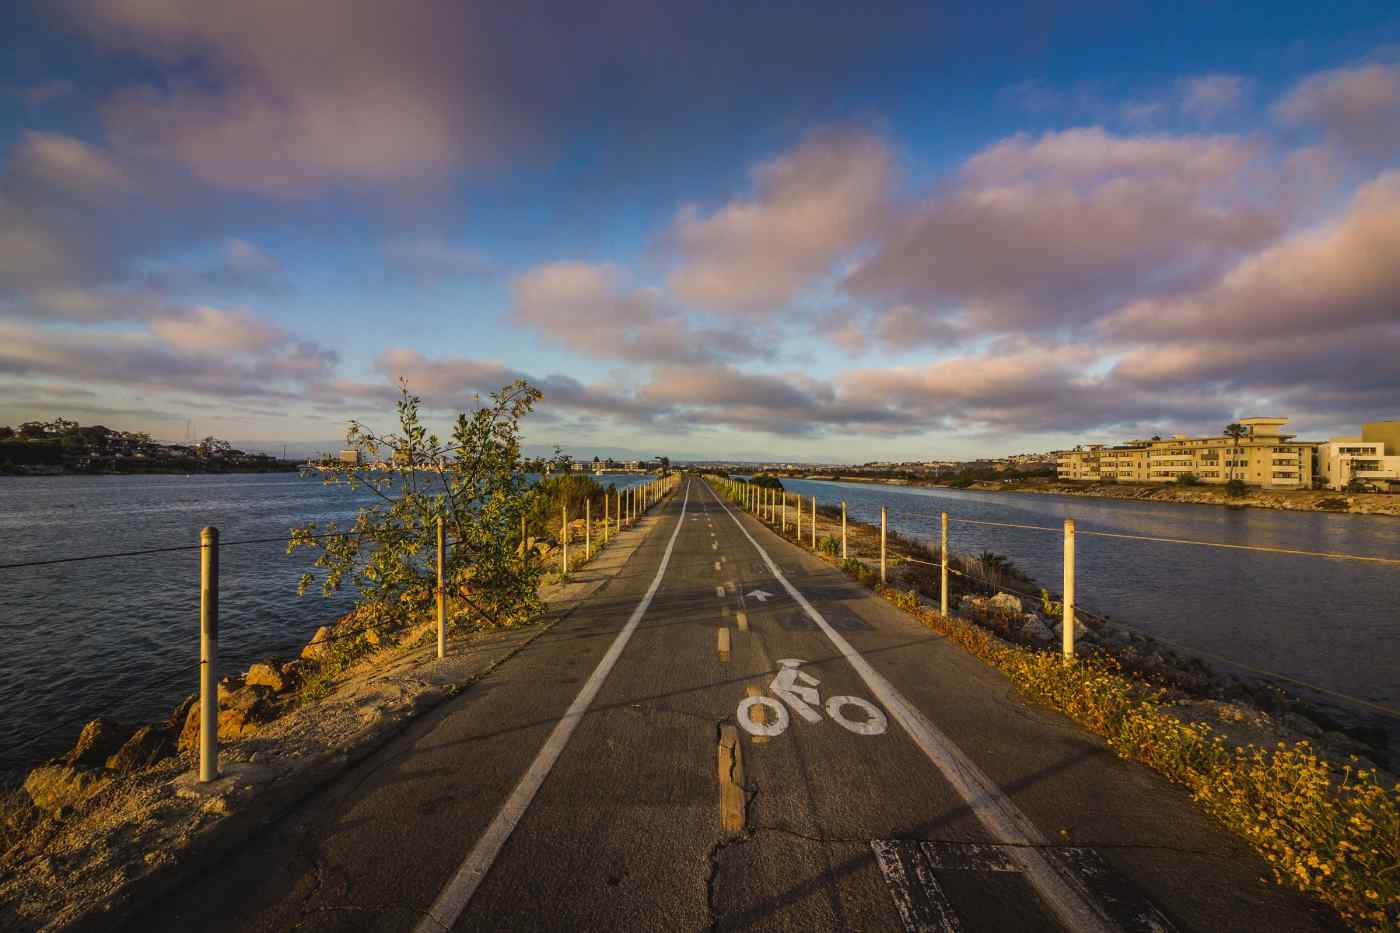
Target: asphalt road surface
(885,780)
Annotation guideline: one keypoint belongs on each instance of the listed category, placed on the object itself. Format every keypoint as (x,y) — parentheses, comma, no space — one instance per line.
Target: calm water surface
(1335,623)
(120,637)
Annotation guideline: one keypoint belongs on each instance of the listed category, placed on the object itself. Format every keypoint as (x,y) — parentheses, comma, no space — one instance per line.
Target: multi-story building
(1373,458)
(1081,463)
(1264,456)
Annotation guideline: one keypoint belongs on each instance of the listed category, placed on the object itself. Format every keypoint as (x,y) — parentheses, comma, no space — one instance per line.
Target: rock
(294,672)
(240,713)
(146,746)
(181,713)
(1036,629)
(266,674)
(98,740)
(1006,603)
(319,645)
(1080,632)
(55,787)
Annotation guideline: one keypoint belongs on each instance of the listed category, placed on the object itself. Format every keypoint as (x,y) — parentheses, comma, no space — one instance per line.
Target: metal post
(587,529)
(943,571)
(843,529)
(605,518)
(882,544)
(208,654)
(784,498)
(814,523)
(1069,588)
(564,537)
(441,590)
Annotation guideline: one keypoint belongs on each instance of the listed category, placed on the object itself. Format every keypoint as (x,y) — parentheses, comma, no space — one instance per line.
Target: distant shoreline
(152,471)
(1293,500)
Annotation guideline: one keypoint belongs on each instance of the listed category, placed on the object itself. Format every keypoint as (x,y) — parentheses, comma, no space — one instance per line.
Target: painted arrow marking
(761,595)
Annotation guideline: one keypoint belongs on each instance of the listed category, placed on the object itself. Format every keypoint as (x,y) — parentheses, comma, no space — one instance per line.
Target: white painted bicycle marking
(761,595)
(874,723)
(798,689)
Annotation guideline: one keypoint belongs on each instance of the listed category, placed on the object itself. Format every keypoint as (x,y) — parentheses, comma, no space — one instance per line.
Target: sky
(800,231)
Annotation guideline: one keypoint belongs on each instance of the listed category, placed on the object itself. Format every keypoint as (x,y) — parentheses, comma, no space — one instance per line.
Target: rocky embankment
(1244,711)
(1299,500)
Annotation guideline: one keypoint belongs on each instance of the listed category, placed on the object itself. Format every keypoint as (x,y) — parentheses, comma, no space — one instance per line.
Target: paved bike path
(624,831)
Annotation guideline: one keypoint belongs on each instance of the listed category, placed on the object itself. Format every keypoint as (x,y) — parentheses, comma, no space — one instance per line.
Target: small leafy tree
(1187,479)
(1235,488)
(545,510)
(767,481)
(472,481)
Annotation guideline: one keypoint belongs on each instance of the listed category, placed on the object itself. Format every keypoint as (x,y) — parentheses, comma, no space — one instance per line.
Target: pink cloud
(594,309)
(1052,232)
(808,208)
(1357,107)
(1340,275)
(210,331)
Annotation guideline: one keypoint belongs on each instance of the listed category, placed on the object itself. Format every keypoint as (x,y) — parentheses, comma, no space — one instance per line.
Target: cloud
(451,382)
(593,309)
(288,101)
(1341,275)
(808,208)
(432,259)
(1357,108)
(68,164)
(59,198)
(214,331)
(1208,96)
(224,355)
(1043,233)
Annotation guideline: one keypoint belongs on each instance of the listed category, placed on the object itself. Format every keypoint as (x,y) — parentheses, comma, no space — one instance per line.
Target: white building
(1343,459)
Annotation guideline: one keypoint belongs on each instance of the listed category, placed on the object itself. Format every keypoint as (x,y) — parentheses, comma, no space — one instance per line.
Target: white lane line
(458,893)
(1062,892)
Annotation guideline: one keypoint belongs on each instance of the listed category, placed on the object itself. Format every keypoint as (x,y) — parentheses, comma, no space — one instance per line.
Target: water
(1330,622)
(120,637)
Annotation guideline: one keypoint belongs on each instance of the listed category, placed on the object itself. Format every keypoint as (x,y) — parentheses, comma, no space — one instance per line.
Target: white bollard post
(843,529)
(605,518)
(882,544)
(208,654)
(814,523)
(564,538)
(943,572)
(441,591)
(1069,589)
(587,529)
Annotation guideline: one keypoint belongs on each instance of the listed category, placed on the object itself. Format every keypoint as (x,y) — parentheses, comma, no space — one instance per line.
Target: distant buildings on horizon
(1264,456)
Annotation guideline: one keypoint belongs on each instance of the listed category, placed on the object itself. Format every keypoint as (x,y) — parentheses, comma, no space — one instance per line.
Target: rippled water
(120,637)
(1332,622)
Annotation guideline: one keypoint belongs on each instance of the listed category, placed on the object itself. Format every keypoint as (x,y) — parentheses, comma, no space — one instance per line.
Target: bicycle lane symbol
(798,689)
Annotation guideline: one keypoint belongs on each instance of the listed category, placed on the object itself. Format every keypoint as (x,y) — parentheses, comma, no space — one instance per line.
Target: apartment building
(1373,458)
(1264,456)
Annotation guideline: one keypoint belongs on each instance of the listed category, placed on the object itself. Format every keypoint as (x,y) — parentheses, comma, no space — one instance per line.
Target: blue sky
(806,231)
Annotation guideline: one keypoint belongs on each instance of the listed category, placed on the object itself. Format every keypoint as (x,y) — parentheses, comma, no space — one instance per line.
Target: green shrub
(1235,488)
(828,545)
(1188,479)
